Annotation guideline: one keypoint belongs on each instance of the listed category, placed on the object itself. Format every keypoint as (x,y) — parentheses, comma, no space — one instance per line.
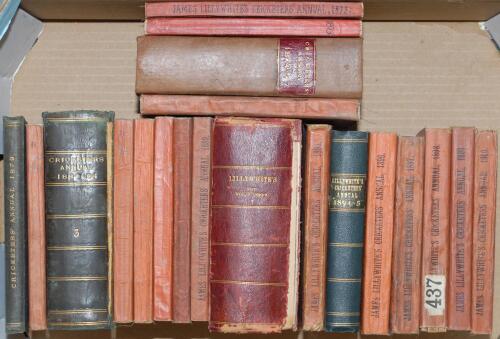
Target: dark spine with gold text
(16,284)
(348,167)
(77,152)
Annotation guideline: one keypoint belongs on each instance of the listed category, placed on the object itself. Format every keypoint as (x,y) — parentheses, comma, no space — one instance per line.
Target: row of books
(251,58)
(199,219)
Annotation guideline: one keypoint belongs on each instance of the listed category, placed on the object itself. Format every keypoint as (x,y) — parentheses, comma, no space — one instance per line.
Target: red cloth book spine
(316,189)
(163,218)
(435,241)
(407,242)
(183,143)
(310,108)
(255,234)
(483,237)
(143,219)
(379,232)
(254,27)
(295,9)
(461,211)
(123,217)
(36,228)
(200,217)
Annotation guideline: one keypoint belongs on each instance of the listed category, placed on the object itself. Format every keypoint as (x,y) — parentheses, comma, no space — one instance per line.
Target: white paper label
(434,294)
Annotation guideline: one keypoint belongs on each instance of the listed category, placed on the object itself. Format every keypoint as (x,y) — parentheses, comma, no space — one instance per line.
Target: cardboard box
(416,74)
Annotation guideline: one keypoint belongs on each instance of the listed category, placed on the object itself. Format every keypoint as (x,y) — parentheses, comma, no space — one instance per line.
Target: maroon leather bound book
(255,225)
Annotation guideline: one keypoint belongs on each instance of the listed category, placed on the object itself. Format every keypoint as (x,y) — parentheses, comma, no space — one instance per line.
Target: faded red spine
(183,143)
(483,238)
(254,27)
(163,218)
(461,210)
(123,217)
(36,227)
(200,217)
(143,219)
(295,9)
(407,241)
(208,105)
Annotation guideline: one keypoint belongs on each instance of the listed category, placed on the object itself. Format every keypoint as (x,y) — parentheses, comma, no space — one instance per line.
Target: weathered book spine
(255,225)
(347,201)
(3,333)
(379,232)
(291,67)
(274,9)
(333,28)
(123,217)
(316,184)
(183,145)
(77,152)
(36,228)
(483,238)
(202,105)
(16,298)
(200,217)
(143,219)
(435,247)
(407,241)
(461,212)
(163,218)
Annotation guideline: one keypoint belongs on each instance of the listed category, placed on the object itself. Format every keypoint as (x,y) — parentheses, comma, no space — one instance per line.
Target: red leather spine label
(143,219)
(183,143)
(436,222)
(200,217)
(252,174)
(407,241)
(36,228)
(123,216)
(296,66)
(163,218)
(378,234)
(483,238)
(461,211)
(316,185)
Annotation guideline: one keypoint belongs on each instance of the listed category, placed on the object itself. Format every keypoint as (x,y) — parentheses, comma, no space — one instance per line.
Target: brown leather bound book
(294,9)
(435,229)
(200,217)
(316,186)
(123,217)
(163,218)
(36,228)
(461,211)
(308,108)
(407,241)
(143,219)
(183,142)
(329,68)
(255,225)
(379,232)
(483,237)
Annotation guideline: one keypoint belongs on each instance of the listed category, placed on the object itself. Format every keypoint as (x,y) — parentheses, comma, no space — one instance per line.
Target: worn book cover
(407,240)
(379,232)
(123,218)
(143,219)
(316,185)
(254,249)
(435,229)
(292,67)
(78,152)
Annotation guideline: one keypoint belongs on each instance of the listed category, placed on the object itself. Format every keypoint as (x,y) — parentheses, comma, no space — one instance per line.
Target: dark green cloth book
(16,277)
(77,155)
(347,196)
